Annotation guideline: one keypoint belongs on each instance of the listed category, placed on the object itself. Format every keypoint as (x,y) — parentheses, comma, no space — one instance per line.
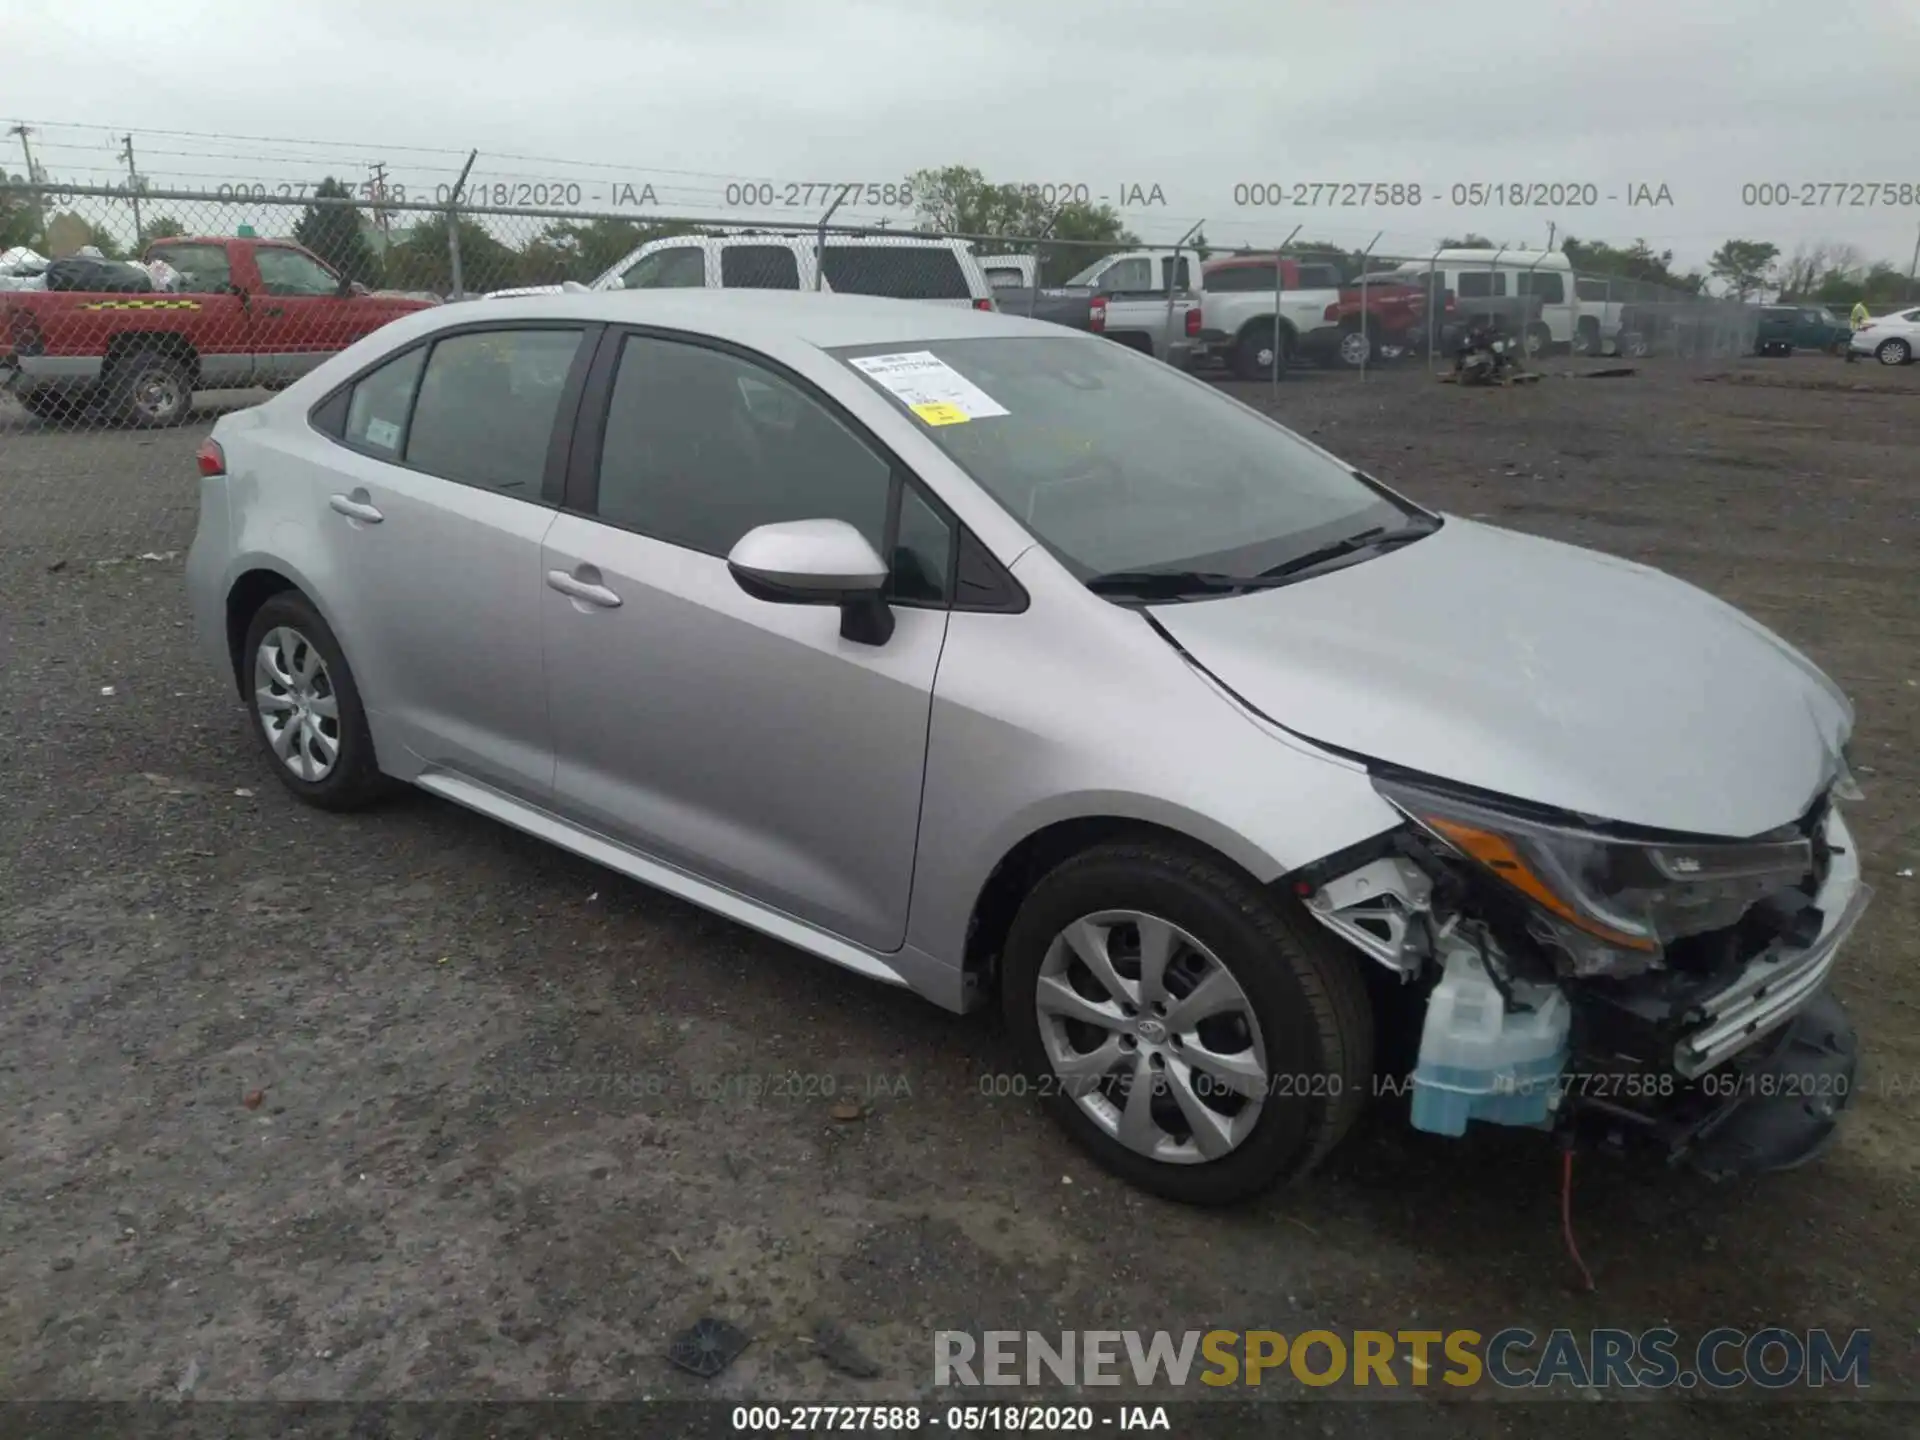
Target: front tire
(1198,1036)
(305,708)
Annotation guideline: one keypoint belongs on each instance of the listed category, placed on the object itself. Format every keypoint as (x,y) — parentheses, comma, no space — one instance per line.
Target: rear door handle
(354,508)
(585,590)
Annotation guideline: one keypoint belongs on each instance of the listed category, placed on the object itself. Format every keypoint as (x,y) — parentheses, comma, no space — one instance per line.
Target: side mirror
(817,562)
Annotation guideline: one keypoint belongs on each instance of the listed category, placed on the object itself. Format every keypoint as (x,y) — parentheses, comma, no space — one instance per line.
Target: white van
(902,267)
(1499,282)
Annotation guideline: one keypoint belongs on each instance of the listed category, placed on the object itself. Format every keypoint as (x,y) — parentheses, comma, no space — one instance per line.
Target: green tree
(19,218)
(1638,261)
(1469,241)
(583,250)
(960,200)
(1744,265)
(1880,285)
(335,233)
(420,260)
(161,227)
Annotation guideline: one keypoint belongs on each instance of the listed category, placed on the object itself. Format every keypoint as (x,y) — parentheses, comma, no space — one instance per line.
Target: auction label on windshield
(930,388)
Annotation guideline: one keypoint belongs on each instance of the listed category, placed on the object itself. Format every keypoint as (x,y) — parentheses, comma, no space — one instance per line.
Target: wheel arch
(255,581)
(1263,325)
(1029,859)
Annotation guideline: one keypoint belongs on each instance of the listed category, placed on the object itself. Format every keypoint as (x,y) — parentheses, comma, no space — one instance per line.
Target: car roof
(758,318)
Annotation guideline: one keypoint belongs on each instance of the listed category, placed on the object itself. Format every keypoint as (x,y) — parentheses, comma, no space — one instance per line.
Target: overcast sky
(1701,98)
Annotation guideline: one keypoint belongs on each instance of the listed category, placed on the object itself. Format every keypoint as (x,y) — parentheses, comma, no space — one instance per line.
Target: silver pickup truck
(1153,302)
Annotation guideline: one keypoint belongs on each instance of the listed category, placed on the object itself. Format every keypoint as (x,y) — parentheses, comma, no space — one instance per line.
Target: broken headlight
(1611,905)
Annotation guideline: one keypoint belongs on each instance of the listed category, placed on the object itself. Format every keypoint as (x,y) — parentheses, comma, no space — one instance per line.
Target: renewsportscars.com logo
(1514,1358)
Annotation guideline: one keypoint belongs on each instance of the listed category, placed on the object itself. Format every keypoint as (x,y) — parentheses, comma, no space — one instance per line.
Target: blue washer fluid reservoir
(1477,1061)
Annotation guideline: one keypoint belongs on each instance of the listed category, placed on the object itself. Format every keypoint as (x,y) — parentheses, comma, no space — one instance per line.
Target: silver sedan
(1004,664)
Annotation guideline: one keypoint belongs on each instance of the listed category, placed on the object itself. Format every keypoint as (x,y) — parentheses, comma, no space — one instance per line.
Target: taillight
(983,304)
(1333,312)
(1097,315)
(1193,321)
(213,460)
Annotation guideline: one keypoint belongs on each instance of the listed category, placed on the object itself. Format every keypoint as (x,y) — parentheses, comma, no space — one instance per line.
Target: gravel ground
(498,1150)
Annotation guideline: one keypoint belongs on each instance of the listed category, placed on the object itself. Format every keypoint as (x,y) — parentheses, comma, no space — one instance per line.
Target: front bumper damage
(1731,1075)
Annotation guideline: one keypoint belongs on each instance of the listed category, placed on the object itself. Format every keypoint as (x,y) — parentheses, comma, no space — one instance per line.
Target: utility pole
(133,189)
(379,170)
(1913,269)
(33,178)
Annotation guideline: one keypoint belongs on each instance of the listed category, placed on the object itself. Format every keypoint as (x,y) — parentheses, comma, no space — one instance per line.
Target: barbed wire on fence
(167,313)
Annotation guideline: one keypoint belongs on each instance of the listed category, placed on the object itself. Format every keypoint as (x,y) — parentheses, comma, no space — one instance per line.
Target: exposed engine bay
(1579,975)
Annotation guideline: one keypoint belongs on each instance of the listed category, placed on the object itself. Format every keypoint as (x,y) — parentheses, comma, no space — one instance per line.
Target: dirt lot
(480,1167)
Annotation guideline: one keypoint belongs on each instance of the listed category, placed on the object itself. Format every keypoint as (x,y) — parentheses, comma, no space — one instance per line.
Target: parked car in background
(1018,272)
(901,267)
(986,660)
(1602,303)
(243,312)
(1380,317)
(1891,339)
(1017,291)
(1529,292)
(1153,303)
(1246,318)
(1782,329)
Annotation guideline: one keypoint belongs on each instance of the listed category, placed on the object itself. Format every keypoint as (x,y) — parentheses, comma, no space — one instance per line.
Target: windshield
(1116,462)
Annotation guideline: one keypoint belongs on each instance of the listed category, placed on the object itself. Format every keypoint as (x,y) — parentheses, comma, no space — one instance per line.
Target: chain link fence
(127,319)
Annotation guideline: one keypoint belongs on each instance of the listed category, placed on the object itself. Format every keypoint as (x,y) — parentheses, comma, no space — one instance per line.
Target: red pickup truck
(245,312)
(1395,321)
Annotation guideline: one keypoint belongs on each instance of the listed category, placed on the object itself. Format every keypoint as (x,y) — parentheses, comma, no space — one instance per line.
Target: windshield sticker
(929,387)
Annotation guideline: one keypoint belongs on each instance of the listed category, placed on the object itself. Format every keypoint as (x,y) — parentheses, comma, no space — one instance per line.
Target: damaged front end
(1656,987)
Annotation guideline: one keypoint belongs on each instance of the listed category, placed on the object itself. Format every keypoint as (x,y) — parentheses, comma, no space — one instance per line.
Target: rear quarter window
(904,272)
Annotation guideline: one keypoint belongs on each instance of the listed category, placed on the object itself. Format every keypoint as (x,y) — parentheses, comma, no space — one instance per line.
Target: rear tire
(304,708)
(151,389)
(1253,353)
(1289,1026)
(1893,352)
(1586,338)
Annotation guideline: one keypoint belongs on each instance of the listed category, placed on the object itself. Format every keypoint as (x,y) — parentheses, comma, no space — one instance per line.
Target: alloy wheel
(1151,1036)
(297,705)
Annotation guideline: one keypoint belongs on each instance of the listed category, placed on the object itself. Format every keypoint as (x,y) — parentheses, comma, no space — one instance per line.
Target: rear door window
(758,267)
(486,408)
(1480,284)
(377,411)
(904,272)
(1229,279)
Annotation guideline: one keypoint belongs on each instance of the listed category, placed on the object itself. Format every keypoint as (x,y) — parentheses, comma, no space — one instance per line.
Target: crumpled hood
(1540,671)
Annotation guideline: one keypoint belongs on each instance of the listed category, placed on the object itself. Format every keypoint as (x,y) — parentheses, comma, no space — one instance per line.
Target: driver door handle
(354,508)
(585,590)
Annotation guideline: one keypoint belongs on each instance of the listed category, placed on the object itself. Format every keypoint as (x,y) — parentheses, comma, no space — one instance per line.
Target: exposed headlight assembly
(1611,905)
